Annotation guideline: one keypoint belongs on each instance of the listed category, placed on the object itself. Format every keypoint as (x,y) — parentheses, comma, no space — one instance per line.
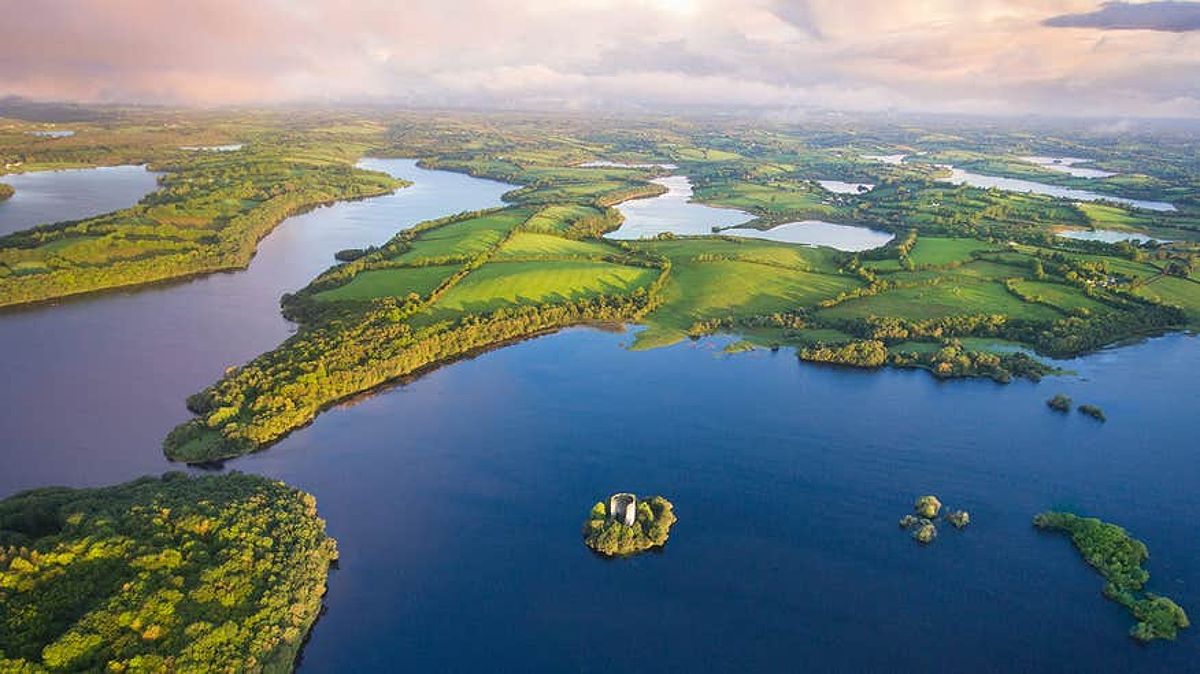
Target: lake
(673,212)
(71,194)
(461,546)
(960,177)
(818,233)
(1107,235)
(619,164)
(157,345)
(232,147)
(458,499)
(841,187)
(1067,165)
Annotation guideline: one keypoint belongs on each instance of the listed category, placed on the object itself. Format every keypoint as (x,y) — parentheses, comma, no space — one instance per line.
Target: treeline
(284,389)
(180,574)
(208,216)
(953,360)
(634,191)
(950,361)
(862,353)
(1062,338)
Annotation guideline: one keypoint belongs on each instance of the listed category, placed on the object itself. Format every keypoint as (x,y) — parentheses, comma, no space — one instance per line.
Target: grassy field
(395,282)
(772,200)
(716,279)
(1062,296)
(532,244)
(937,251)
(501,284)
(759,251)
(1183,293)
(558,219)
(951,298)
(465,238)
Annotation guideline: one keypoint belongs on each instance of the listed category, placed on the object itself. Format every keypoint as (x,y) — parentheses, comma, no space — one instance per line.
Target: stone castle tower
(623,508)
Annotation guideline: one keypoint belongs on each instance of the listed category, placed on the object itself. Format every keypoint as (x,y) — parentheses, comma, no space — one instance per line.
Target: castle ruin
(623,508)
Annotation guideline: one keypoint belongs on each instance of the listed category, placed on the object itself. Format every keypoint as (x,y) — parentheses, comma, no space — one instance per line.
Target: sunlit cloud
(989,56)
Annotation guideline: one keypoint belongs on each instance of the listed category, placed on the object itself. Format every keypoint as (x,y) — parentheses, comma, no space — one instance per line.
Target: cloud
(990,56)
(798,13)
(1173,17)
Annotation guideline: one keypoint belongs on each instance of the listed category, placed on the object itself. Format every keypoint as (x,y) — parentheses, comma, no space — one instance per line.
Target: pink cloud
(942,55)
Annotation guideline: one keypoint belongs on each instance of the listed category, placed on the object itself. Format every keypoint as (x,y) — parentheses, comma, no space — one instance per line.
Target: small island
(1059,403)
(922,525)
(6,191)
(1119,557)
(626,526)
(1093,412)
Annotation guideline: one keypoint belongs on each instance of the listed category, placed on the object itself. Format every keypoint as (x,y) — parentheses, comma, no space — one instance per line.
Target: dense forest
(173,574)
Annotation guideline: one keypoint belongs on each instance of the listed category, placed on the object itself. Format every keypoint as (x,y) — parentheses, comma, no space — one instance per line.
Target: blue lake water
(674,212)
(842,187)
(1068,165)
(118,366)
(817,233)
(1107,235)
(232,147)
(960,177)
(53,196)
(893,159)
(457,499)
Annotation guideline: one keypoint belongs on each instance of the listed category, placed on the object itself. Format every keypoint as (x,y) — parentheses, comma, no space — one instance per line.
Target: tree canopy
(220,573)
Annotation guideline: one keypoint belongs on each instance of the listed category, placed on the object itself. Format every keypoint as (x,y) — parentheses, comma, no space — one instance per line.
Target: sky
(994,57)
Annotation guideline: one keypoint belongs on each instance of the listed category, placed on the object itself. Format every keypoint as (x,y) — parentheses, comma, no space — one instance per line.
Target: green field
(1062,296)
(1184,293)
(773,200)
(465,238)
(938,251)
(503,284)
(558,219)
(759,251)
(718,279)
(950,298)
(532,244)
(394,282)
